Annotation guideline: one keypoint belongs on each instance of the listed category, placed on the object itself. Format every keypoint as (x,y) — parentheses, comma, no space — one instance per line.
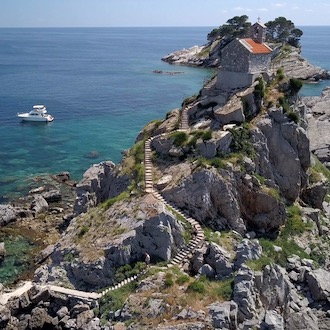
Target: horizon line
(132,27)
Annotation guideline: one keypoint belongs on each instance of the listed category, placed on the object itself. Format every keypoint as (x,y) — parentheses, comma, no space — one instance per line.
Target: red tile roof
(255,47)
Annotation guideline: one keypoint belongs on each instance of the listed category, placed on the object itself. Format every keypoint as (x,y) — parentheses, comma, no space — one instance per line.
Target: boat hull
(27,117)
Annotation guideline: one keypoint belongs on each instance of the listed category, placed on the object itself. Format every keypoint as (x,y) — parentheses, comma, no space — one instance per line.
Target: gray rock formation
(100,182)
(39,204)
(247,250)
(319,125)
(2,251)
(145,226)
(224,315)
(219,260)
(7,214)
(319,284)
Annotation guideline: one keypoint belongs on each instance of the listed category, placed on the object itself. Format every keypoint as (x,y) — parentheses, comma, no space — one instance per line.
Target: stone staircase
(184,125)
(198,239)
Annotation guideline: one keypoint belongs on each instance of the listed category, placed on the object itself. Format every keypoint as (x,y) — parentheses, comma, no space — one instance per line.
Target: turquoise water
(99,86)
(316,48)
(18,256)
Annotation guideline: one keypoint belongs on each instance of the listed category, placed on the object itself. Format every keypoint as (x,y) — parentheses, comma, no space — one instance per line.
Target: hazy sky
(104,13)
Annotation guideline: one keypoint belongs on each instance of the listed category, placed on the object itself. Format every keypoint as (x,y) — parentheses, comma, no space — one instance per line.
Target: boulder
(52,196)
(273,320)
(319,125)
(302,320)
(100,182)
(2,251)
(315,193)
(275,287)
(7,214)
(207,270)
(247,250)
(219,144)
(319,284)
(231,112)
(210,197)
(39,204)
(39,318)
(5,314)
(219,260)
(224,315)
(287,149)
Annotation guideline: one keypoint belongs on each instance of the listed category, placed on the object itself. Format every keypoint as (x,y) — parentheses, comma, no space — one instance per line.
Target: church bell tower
(258,32)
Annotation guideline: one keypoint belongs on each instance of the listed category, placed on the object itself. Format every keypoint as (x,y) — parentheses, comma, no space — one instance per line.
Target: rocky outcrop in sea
(293,64)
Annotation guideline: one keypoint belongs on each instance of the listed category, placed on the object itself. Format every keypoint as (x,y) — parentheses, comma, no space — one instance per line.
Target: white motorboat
(38,113)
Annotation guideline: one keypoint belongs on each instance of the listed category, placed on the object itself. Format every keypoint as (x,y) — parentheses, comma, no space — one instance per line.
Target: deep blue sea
(99,85)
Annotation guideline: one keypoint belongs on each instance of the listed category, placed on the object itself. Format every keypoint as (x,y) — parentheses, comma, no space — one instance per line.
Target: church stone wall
(259,62)
(228,80)
(235,57)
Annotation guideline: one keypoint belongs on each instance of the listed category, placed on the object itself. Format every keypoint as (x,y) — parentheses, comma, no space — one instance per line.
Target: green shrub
(168,280)
(295,85)
(182,279)
(225,289)
(207,135)
(279,71)
(196,286)
(284,103)
(179,138)
(217,162)
(192,142)
(84,230)
(270,256)
(294,224)
(128,270)
(241,141)
(293,116)
(259,90)
(115,300)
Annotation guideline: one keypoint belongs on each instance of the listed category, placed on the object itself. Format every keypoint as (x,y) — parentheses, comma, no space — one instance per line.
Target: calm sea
(99,85)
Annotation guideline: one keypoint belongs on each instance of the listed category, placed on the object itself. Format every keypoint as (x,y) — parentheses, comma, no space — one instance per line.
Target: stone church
(243,60)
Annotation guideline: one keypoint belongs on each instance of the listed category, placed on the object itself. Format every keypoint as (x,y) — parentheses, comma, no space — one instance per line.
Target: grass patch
(270,256)
(168,280)
(294,224)
(224,289)
(197,286)
(124,195)
(216,290)
(115,300)
(84,230)
(216,162)
(182,279)
(318,167)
